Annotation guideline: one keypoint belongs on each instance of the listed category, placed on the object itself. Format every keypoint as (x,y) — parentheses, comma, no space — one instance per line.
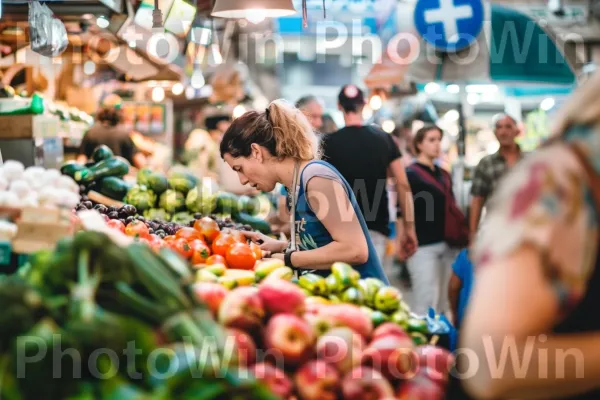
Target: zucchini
(101,153)
(256,223)
(113,187)
(226,202)
(103,169)
(70,168)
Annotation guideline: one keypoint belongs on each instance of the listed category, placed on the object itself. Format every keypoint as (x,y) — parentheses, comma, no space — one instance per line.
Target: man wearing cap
(365,155)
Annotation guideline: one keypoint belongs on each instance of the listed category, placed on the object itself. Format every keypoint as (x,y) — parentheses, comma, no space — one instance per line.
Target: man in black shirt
(366,156)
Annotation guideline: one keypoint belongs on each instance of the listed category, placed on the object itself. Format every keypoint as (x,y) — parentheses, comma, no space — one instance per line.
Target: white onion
(20,187)
(50,177)
(13,169)
(31,200)
(11,200)
(3,183)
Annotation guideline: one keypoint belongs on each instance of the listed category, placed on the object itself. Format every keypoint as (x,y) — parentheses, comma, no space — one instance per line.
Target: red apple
(317,380)
(274,378)
(243,345)
(242,308)
(363,383)
(420,387)
(348,315)
(290,338)
(319,323)
(435,362)
(341,347)
(393,356)
(387,329)
(280,296)
(211,294)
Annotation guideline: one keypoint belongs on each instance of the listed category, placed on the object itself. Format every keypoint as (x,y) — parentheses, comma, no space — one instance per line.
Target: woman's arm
(453,295)
(330,202)
(513,304)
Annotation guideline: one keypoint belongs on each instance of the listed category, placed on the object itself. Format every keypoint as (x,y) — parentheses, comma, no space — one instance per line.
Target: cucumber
(256,223)
(103,169)
(226,202)
(70,168)
(113,187)
(101,153)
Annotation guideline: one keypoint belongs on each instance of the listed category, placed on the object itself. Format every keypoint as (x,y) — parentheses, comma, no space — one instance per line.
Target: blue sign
(449,25)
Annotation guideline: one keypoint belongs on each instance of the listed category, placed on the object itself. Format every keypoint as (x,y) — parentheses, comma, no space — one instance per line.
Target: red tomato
(239,236)
(182,247)
(116,224)
(208,227)
(189,234)
(240,256)
(200,252)
(256,250)
(137,229)
(216,259)
(156,242)
(222,243)
(169,239)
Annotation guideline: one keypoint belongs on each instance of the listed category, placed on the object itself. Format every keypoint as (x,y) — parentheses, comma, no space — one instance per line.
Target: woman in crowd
(537,286)
(279,146)
(430,266)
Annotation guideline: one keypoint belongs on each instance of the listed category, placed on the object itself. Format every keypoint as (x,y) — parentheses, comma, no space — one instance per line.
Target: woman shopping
(537,265)
(439,224)
(279,146)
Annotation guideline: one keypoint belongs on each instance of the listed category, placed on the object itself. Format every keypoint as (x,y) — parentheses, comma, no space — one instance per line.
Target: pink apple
(363,383)
(392,356)
(319,323)
(435,362)
(290,337)
(341,347)
(348,315)
(280,296)
(420,387)
(317,380)
(274,378)
(242,308)
(244,347)
(387,329)
(211,294)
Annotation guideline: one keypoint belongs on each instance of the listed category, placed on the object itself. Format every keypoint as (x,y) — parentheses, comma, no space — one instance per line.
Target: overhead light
(367,113)
(376,102)
(132,44)
(451,115)
(256,16)
(238,111)
(190,92)
(102,22)
(89,67)
(236,9)
(197,80)
(547,103)
(388,126)
(432,88)
(177,89)
(206,91)
(481,88)
(453,89)
(158,94)
(473,98)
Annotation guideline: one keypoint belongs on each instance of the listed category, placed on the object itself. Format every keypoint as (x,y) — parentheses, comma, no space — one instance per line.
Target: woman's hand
(266,243)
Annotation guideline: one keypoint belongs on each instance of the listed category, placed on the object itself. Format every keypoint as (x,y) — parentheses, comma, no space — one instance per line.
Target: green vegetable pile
(92,320)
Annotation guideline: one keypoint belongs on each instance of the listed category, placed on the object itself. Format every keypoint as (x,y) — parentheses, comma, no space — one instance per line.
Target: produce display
(91,294)
(179,198)
(35,187)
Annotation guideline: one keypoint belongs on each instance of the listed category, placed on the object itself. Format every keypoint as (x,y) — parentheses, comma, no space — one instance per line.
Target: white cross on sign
(448,14)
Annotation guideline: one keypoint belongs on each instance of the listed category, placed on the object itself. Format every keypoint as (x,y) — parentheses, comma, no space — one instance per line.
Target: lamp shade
(238,9)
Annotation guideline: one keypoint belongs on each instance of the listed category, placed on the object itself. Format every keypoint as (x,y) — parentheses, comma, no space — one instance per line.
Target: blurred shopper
(435,208)
(109,130)
(329,125)
(365,155)
(278,146)
(537,285)
(459,289)
(493,167)
(312,108)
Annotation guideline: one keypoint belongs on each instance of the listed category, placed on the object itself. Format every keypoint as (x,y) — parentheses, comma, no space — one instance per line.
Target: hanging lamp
(238,9)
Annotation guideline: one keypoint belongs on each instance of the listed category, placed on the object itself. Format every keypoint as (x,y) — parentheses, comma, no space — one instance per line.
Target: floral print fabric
(545,201)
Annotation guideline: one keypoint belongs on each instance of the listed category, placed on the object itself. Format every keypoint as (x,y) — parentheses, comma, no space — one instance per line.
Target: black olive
(83,189)
(140,218)
(113,215)
(102,209)
(87,204)
(129,220)
(123,214)
(113,209)
(191,224)
(150,230)
(160,232)
(129,209)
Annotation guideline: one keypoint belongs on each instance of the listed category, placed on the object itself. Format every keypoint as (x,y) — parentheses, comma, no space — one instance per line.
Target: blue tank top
(312,234)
